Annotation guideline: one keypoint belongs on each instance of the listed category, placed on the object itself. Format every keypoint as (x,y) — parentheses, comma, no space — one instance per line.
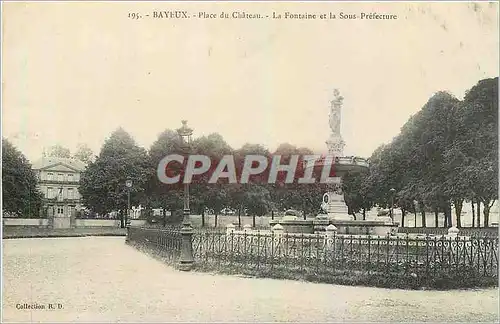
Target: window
(59,194)
(70,177)
(60,177)
(60,210)
(71,193)
(50,176)
(50,192)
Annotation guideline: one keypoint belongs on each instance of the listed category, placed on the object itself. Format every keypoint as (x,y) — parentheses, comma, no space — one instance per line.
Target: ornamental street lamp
(392,190)
(186,259)
(128,184)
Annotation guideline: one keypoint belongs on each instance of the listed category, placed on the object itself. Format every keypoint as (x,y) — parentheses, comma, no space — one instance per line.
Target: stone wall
(41,222)
(97,222)
(44,222)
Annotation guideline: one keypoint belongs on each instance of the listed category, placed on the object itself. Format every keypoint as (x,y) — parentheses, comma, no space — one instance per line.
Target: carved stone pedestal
(335,207)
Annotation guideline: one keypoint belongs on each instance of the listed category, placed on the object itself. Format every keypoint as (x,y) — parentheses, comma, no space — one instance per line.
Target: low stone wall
(79,223)
(16,232)
(97,223)
(107,222)
(40,222)
(138,222)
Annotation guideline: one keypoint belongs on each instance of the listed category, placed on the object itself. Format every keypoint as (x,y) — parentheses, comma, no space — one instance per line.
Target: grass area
(461,279)
(31,232)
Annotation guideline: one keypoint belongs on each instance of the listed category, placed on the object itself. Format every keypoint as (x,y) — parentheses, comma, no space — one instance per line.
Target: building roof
(47,162)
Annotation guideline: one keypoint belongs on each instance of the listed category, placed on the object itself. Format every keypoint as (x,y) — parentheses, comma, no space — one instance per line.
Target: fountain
(334,208)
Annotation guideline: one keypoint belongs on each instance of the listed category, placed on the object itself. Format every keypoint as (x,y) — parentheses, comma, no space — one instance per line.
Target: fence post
(453,232)
(247,228)
(186,260)
(330,232)
(230,228)
(278,230)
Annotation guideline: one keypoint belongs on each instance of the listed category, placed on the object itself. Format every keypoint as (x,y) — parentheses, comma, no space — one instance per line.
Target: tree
(102,184)
(439,116)
(169,197)
(211,195)
(257,200)
(444,154)
(59,151)
(357,192)
(300,196)
(237,193)
(479,142)
(84,153)
(414,162)
(457,183)
(20,194)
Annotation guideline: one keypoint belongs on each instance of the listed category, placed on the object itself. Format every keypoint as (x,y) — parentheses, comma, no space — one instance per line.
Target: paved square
(103,279)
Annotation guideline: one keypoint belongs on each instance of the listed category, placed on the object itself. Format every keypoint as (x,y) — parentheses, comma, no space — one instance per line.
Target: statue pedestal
(335,207)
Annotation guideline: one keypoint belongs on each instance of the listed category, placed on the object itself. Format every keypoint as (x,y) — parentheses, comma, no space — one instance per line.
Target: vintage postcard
(249,161)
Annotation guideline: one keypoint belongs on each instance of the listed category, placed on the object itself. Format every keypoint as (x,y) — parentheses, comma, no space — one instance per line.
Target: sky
(74,72)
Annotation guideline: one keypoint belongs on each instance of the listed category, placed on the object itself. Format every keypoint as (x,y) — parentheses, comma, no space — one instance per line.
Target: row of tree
(103,183)
(445,154)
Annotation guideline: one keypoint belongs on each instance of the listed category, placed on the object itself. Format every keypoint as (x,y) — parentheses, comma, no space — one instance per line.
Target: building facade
(59,180)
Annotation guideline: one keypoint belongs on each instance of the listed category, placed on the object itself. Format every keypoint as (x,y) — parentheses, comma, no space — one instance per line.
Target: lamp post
(392,190)
(186,258)
(128,184)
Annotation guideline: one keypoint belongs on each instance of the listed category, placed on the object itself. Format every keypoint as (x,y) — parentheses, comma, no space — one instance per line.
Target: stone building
(59,179)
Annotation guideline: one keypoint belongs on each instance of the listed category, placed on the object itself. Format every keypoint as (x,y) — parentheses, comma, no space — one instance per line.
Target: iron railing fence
(166,241)
(372,254)
(421,259)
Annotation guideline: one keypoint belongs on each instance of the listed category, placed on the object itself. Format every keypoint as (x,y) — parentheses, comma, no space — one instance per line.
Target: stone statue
(335,112)
(324,208)
(338,98)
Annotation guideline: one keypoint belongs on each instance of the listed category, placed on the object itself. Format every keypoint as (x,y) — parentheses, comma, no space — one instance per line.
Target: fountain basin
(343,165)
(295,225)
(354,227)
(364,227)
